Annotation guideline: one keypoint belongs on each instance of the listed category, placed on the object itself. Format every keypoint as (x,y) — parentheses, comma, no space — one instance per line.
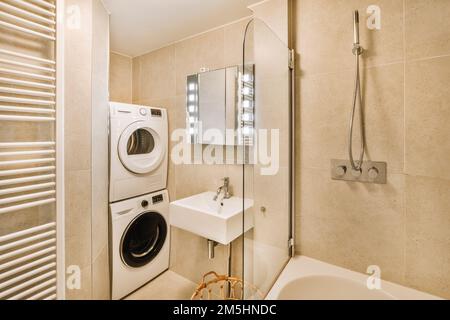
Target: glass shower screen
(266,169)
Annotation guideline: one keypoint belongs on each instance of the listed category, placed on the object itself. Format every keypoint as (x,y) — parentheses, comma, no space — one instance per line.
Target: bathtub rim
(302,266)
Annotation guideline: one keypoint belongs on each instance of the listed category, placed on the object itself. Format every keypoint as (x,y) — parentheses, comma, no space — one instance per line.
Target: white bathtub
(308,279)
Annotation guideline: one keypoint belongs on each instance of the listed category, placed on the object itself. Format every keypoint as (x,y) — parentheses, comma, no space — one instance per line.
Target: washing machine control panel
(156,113)
(158,199)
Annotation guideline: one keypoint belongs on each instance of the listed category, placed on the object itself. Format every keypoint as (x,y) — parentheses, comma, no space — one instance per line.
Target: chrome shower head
(357,48)
(356,27)
(356,16)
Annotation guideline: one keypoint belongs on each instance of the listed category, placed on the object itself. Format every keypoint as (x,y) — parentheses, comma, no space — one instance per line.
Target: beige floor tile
(168,286)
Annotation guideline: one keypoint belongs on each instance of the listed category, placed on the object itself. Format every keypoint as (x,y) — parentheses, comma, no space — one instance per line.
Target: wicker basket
(220,287)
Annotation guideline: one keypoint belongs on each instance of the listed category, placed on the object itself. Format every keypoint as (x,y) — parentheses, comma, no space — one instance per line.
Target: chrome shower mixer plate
(371,172)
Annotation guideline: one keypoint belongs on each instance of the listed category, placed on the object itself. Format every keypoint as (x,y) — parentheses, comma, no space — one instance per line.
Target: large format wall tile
(427,118)
(203,51)
(325,34)
(234,37)
(427,28)
(384,115)
(79,40)
(100,277)
(198,178)
(428,238)
(100,156)
(326,102)
(136,76)
(352,225)
(274,14)
(78,252)
(78,131)
(190,256)
(85,291)
(86,88)
(78,230)
(78,204)
(157,72)
(120,78)
(78,134)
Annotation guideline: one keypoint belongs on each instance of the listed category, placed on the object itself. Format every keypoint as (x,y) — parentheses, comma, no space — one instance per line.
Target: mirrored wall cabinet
(220,107)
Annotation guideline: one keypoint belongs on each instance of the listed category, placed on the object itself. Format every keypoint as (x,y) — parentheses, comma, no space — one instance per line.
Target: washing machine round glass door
(143,239)
(140,148)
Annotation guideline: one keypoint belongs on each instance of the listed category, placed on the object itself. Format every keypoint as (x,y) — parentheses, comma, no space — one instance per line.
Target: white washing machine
(139,241)
(138,150)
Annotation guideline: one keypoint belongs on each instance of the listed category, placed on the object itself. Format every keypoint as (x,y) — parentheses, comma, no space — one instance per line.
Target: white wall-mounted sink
(201,215)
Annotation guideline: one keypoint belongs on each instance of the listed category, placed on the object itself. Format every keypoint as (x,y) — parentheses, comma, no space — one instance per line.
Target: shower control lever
(373,173)
(341,170)
(370,172)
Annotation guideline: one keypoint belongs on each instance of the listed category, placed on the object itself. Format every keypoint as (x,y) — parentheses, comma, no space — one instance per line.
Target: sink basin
(201,215)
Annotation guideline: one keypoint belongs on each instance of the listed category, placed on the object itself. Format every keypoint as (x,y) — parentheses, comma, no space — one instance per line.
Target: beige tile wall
(275,15)
(100,152)
(86,88)
(78,95)
(120,78)
(402,226)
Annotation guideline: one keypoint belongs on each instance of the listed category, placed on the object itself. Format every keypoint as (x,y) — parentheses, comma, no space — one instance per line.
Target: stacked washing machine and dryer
(139,203)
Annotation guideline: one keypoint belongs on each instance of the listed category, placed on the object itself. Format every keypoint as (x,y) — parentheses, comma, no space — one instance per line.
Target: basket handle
(211,273)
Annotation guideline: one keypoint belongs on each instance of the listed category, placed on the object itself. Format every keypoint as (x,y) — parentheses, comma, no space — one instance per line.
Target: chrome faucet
(225,188)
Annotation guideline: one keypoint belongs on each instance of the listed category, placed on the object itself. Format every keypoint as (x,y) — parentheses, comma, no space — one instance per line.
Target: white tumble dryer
(138,150)
(139,241)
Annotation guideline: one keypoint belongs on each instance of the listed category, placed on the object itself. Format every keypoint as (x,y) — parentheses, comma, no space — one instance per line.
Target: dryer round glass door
(140,148)
(143,239)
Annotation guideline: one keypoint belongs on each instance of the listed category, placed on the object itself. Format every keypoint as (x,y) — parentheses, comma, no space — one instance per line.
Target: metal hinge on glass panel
(291,59)
(291,246)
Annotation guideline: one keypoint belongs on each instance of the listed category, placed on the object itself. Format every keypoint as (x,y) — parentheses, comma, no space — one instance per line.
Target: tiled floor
(168,286)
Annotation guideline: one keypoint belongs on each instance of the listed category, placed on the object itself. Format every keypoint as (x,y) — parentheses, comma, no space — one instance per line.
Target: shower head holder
(357,49)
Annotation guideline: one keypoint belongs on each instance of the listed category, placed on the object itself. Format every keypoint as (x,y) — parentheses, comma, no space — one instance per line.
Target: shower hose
(357,99)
